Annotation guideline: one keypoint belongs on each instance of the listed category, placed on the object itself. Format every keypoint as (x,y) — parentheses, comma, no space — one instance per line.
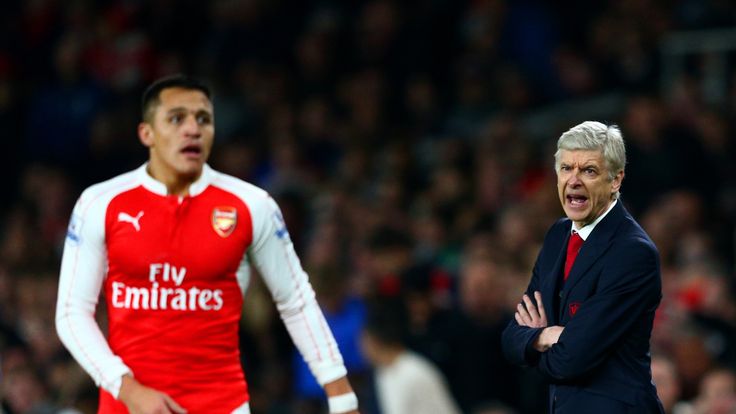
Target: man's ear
(617,180)
(145,134)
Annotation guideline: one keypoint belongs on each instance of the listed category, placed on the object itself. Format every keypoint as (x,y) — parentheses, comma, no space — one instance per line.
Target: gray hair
(595,136)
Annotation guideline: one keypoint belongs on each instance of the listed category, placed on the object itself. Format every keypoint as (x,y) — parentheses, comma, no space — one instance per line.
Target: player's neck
(176,184)
(179,188)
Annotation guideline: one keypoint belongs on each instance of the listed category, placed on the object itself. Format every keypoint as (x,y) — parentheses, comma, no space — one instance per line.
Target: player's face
(583,185)
(180,135)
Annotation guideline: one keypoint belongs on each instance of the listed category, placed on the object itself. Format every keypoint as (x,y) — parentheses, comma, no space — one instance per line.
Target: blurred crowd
(409,144)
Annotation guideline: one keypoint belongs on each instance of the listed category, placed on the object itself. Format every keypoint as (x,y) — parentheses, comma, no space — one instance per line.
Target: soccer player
(171,243)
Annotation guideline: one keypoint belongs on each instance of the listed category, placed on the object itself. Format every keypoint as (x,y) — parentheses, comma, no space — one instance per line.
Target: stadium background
(410,146)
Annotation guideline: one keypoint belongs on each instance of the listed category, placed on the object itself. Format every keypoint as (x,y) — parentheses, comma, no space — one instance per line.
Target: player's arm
(340,396)
(273,255)
(82,272)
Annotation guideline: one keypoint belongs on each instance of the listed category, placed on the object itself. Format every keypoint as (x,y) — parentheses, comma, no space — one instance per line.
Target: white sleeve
(272,252)
(83,268)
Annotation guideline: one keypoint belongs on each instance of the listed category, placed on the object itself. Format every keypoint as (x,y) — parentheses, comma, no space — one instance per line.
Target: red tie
(573,247)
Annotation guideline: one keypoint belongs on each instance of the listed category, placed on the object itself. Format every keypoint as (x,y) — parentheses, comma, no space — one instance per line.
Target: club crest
(574,308)
(224,220)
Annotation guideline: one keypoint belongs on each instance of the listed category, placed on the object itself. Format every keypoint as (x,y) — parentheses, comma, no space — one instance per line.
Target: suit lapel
(596,244)
(551,283)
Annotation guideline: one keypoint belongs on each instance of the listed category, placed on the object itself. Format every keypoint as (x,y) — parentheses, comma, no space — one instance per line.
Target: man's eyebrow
(176,109)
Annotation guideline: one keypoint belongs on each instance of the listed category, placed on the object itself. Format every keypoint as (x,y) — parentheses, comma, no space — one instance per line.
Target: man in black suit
(586,318)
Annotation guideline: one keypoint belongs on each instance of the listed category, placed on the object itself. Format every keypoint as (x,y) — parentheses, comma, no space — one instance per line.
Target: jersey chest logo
(224,220)
(127,218)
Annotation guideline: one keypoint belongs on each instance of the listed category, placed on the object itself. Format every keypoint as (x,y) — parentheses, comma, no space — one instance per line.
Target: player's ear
(145,134)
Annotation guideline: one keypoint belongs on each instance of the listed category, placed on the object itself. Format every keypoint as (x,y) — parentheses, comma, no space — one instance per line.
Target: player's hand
(527,314)
(140,399)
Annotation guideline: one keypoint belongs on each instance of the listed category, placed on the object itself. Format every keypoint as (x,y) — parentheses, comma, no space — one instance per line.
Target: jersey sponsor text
(157,297)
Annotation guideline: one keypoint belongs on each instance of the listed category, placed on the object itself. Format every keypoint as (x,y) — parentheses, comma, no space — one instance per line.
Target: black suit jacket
(601,363)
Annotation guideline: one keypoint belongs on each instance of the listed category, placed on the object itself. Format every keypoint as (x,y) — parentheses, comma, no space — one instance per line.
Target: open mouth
(576,200)
(192,150)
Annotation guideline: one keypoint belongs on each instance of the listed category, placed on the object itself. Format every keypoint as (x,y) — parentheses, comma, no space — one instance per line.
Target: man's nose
(574,180)
(191,126)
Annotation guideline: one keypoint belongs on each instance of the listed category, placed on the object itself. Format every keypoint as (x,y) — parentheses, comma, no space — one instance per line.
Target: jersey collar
(157,187)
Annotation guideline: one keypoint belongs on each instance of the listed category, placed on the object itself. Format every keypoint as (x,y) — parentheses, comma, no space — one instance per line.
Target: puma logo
(127,218)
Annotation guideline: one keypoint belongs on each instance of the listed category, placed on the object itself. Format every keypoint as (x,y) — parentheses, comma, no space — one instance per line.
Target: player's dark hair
(152,94)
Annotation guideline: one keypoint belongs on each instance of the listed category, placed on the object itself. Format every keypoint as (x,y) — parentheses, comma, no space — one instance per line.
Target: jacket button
(561,295)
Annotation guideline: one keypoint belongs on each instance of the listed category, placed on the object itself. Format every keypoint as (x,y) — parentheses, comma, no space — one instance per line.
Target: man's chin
(191,170)
(576,216)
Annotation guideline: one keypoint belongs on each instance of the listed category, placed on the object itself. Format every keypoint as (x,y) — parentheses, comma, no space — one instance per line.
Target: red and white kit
(174,271)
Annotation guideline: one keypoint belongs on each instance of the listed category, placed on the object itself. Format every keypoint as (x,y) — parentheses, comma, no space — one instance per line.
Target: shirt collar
(587,229)
(157,187)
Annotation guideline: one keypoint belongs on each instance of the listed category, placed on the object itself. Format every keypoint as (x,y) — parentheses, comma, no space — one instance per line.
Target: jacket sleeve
(516,339)
(82,273)
(629,291)
(272,253)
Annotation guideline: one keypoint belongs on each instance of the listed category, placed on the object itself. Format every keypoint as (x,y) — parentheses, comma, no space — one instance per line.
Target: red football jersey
(174,271)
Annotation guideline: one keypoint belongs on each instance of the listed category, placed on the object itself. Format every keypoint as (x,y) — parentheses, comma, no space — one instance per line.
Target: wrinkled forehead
(581,157)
